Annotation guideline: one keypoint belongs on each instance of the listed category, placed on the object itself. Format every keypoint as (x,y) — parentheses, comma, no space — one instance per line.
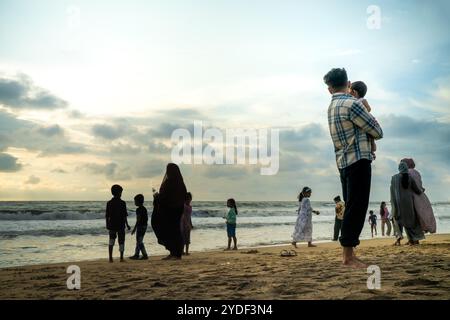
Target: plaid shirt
(351,127)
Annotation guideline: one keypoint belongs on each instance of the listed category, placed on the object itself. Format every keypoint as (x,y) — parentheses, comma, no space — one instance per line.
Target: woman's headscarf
(173,191)
(403,167)
(409,162)
(403,170)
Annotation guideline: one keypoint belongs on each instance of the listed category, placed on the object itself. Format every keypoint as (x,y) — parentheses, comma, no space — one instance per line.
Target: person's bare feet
(310,245)
(350,259)
(354,263)
(354,255)
(294,244)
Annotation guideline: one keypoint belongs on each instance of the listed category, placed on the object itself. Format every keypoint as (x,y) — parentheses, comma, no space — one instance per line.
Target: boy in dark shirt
(140,228)
(116,220)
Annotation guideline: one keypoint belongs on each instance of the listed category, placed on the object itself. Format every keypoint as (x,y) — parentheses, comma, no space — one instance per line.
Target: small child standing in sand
(339,209)
(303,226)
(140,228)
(186,223)
(116,220)
(358,89)
(373,222)
(231,223)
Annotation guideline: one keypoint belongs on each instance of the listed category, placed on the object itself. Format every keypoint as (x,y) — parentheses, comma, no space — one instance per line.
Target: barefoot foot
(354,263)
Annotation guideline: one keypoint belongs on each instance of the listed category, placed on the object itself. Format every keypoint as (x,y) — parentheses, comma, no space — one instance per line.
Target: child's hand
(366,104)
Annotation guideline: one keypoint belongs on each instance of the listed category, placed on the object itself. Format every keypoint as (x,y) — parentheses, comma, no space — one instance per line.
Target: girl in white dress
(303,226)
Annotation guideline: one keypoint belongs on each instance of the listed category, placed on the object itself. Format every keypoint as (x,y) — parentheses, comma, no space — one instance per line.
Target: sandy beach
(421,272)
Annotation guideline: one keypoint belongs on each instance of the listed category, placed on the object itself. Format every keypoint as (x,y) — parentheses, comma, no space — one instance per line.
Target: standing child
(186,223)
(339,209)
(231,223)
(303,226)
(140,228)
(385,221)
(358,89)
(373,222)
(116,220)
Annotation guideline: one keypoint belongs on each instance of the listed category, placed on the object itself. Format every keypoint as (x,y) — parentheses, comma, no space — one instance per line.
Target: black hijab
(172,192)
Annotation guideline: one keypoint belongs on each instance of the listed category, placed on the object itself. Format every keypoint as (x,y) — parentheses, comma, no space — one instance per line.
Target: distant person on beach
(422,204)
(403,188)
(140,228)
(373,222)
(303,225)
(385,221)
(168,206)
(186,223)
(351,128)
(358,89)
(230,220)
(116,220)
(339,209)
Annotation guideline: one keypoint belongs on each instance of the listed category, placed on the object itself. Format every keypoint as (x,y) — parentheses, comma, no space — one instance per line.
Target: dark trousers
(337,228)
(140,247)
(355,180)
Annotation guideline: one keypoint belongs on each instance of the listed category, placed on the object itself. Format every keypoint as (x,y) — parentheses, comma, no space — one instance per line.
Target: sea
(41,232)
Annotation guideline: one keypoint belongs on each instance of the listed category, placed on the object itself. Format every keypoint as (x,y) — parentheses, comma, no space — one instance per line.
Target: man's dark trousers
(355,180)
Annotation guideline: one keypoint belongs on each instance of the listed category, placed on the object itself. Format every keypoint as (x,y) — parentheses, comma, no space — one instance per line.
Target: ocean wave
(96,231)
(18,216)
(95,210)
(10,215)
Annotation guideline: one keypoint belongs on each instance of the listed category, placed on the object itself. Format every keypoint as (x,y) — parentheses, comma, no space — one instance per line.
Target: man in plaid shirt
(351,127)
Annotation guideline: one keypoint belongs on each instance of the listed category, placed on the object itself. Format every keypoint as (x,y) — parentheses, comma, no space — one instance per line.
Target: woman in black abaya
(168,207)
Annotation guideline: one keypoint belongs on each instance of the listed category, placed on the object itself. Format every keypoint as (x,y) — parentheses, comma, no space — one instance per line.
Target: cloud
(9,163)
(75,114)
(21,93)
(50,131)
(308,138)
(48,141)
(33,180)
(164,130)
(409,137)
(126,149)
(108,132)
(59,147)
(110,170)
(59,170)
(150,169)
(230,172)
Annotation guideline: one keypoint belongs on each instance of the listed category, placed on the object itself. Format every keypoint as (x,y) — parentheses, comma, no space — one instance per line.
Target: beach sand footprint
(417,282)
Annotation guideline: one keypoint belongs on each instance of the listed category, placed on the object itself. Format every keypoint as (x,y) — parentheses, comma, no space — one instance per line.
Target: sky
(91,91)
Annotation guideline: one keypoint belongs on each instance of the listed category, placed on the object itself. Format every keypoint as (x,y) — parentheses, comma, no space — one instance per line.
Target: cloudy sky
(90,92)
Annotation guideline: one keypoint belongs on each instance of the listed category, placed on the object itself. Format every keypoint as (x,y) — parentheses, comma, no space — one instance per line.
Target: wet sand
(418,272)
